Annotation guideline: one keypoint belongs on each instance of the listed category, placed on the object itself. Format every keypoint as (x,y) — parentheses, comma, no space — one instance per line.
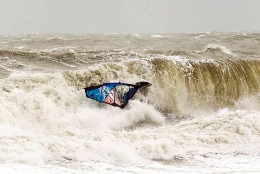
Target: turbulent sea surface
(201,114)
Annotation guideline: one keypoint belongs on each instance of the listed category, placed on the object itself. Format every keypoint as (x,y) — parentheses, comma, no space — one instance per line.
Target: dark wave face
(180,83)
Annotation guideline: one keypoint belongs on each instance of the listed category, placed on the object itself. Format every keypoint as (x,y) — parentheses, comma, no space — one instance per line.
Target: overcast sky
(128,16)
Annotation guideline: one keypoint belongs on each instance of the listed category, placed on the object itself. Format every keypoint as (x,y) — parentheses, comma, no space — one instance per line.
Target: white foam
(63,124)
(156,36)
(136,35)
(45,119)
(251,102)
(58,37)
(205,32)
(48,101)
(10,131)
(20,47)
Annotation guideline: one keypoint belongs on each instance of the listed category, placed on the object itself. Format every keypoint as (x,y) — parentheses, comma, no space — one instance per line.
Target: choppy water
(201,114)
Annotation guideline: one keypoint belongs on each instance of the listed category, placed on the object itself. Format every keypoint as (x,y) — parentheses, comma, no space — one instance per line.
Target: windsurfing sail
(115,94)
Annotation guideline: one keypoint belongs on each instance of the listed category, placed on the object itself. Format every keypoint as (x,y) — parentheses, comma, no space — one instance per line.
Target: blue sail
(115,94)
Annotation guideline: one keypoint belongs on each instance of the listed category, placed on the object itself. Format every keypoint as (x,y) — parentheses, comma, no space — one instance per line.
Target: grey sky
(128,16)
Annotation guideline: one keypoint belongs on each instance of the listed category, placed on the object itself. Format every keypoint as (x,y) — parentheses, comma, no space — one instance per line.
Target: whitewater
(200,115)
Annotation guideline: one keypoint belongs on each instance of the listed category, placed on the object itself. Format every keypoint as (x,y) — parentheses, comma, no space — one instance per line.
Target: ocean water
(201,114)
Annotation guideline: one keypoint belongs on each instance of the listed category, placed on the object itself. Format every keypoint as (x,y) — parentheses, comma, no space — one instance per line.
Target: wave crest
(211,48)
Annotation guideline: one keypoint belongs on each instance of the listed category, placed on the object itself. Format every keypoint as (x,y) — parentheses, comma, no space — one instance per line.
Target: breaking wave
(196,109)
(184,87)
(200,85)
(211,48)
